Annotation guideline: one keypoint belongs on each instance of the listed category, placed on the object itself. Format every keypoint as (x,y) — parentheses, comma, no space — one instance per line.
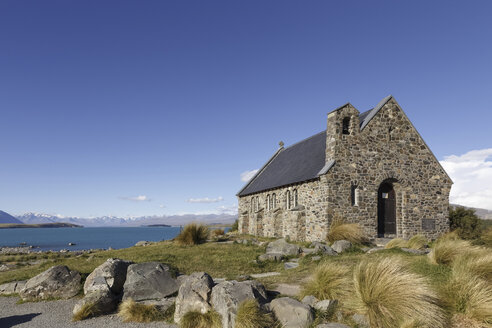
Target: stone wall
(387,149)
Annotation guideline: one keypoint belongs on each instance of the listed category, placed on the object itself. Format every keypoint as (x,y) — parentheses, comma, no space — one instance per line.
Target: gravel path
(57,314)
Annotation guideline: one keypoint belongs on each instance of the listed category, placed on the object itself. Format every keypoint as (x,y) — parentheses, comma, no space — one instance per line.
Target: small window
(274,201)
(268,202)
(252,204)
(390,136)
(288,199)
(295,197)
(346,125)
(354,195)
(257,203)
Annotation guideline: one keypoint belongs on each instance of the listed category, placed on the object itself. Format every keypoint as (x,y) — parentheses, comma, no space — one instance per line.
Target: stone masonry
(384,148)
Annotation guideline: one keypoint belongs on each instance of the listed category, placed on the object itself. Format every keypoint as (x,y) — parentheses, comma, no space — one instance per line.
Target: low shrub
(392,296)
(346,231)
(486,237)
(329,281)
(193,234)
(87,310)
(195,319)
(218,232)
(465,222)
(249,315)
(130,311)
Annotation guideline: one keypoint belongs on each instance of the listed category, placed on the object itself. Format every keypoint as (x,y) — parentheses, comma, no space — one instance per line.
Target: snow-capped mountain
(113,221)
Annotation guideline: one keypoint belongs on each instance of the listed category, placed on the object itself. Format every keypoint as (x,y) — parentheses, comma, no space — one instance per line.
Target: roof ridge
(374,111)
(305,139)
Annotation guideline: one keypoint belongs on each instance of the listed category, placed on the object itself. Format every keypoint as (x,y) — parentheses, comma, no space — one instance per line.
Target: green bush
(193,234)
(464,220)
(235,226)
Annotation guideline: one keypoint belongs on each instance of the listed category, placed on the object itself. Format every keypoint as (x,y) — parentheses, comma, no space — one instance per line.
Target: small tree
(466,223)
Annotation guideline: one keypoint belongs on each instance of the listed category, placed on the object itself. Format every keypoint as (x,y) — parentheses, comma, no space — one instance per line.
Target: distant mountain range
(113,221)
(7,218)
(481,212)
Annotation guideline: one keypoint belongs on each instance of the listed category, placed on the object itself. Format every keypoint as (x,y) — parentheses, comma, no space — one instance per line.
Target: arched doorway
(386,209)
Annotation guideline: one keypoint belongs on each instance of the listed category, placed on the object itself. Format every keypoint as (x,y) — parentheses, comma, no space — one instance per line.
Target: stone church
(371,168)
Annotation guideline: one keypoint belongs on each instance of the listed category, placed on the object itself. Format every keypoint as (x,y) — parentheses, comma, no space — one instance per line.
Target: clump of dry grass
(470,296)
(392,296)
(446,249)
(396,242)
(130,311)
(193,234)
(339,230)
(87,310)
(478,264)
(218,232)
(417,242)
(329,281)
(249,315)
(194,319)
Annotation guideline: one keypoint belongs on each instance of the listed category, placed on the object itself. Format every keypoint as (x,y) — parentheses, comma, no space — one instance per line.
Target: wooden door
(386,209)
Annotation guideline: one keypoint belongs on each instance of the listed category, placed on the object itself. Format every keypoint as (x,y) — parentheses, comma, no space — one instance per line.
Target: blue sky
(158,107)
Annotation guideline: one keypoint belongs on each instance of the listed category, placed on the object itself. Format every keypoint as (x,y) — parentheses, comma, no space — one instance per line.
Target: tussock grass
(131,311)
(470,296)
(195,319)
(249,315)
(417,242)
(478,264)
(329,281)
(218,232)
(87,310)
(391,296)
(193,234)
(396,242)
(339,230)
(445,250)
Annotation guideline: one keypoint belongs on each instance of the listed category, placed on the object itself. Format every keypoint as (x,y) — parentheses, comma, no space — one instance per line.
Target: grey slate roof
(300,162)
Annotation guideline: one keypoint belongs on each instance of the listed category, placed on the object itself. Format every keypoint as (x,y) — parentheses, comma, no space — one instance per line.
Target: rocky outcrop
(323,249)
(227,296)
(13,287)
(341,245)
(149,281)
(109,276)
(281,246)
(56,282)
(291,313)
(194,295)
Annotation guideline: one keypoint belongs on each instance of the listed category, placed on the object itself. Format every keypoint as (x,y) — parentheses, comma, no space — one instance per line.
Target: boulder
(291,313)
(56,282)
(271,257)
(143,243)
(280,246)
(194,295)
(341,245)
(103,301)
(162,305)
(326,305)
(332,325)
(110,275)
(323,249)
(310,300)
(290,265)
(227,296)
(149,281)
(361,320)
(12,287)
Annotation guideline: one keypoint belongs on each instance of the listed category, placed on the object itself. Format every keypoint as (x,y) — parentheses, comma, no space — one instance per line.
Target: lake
(85,238)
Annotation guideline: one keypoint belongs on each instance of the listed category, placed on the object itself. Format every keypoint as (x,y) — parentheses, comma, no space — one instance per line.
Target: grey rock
(271,257)
(12,287)
(103,301)
(341,245)
(290,265)
(324,249)
(309,300)
(264,275)
(288,289)
(326,305)
(227,296)
(292,313)
(110,275)
(375,249)
(194,295)
(308,250)
(162,305)
(56,282)
(315,258)
(332,325)
(280,246)
(181,278)
(413,251)
(143,243)
(361,320)
(148,281)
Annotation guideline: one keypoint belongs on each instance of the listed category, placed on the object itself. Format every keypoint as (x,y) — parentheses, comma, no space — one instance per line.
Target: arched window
(287,196)
(274,201)
(354,195)
(346,125)
(252,204)
(268,202)
(257,203)
(295,198)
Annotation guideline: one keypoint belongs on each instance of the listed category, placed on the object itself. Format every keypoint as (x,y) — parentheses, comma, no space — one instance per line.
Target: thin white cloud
(140,198)
(162,206)
(472,176)
(231,209)
(205,200)
(248,175)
